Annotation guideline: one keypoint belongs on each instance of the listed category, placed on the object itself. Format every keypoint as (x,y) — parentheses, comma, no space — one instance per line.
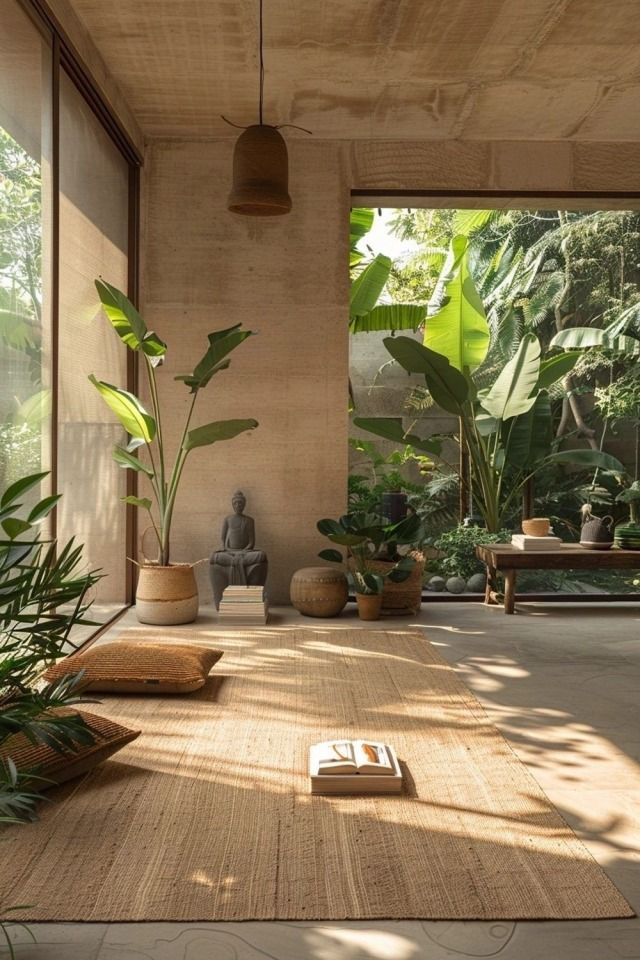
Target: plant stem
(176,473)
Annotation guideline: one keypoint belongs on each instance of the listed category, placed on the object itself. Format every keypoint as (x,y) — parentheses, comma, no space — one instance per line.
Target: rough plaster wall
(287,279)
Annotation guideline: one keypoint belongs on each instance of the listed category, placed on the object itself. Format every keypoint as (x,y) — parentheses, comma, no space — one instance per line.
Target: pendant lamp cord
(261,96)
(261,88)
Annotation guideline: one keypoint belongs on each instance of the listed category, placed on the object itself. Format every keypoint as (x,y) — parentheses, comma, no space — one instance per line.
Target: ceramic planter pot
(167,595)
(536,527)
(369,605)
(596,534)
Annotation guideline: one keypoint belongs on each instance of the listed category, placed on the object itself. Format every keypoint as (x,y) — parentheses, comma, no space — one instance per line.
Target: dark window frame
(65,57)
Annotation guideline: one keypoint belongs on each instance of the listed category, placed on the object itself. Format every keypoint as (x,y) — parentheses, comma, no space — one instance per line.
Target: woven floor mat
(208,815)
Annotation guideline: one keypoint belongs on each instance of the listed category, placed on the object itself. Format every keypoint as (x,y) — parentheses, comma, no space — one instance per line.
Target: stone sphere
(456,585)
(437,584)
(477,583)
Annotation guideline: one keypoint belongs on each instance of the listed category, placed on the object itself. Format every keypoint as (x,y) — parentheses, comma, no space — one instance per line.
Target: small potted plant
(627,535)
(167,592)
(366,538)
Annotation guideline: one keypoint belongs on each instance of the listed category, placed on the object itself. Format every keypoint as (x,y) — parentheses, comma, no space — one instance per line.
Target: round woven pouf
(319,591)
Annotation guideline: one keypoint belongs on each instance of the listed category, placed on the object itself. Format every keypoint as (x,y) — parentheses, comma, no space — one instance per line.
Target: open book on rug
(351,756)
(354,766)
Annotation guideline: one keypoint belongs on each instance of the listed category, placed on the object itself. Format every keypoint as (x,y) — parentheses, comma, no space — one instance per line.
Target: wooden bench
(507,560)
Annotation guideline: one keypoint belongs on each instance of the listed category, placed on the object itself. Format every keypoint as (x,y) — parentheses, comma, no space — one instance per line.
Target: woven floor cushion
(54,767)
(140,667)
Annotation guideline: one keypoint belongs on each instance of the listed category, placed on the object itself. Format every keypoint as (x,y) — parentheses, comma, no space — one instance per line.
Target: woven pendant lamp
(260,185)
(260,173)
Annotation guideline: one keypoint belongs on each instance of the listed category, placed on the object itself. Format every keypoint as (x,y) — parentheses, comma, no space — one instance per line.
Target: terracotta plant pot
(536,527)
(404,598)
(369,605)
(167,595)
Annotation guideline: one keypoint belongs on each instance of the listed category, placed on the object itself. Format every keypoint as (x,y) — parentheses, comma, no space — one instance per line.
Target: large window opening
(534,314)
(25,247)
(67,216)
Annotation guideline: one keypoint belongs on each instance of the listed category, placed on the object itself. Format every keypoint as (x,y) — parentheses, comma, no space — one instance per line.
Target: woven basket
(167,595)
(405,597)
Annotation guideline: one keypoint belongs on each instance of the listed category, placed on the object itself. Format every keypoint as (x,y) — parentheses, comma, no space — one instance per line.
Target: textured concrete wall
(287,278)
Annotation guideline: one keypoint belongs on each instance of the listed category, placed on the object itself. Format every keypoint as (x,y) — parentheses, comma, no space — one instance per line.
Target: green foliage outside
(560,294)
(458,550)
(23,404)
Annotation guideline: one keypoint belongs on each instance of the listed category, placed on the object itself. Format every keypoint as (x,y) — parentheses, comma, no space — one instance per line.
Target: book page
(372,757)
(335,756)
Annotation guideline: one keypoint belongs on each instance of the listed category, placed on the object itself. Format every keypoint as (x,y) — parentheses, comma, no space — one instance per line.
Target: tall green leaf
(221,343)
(128,409)
(21,486)
(43,508)
(126,460)
(555,368)
(511,393)
(215,431)
(360,223)
(467,221)
(128,323)
(390,317)
(527,438)
(580,338)
(446,384)
(368,285)
(391,428)
(587,458)
(143,502)
(456,324)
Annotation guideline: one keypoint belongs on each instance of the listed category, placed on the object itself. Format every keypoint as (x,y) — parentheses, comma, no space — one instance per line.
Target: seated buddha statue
(238,562)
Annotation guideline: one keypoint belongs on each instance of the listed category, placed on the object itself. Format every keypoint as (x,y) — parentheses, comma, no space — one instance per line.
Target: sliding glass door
(94,198)
(67,216)
(25,246)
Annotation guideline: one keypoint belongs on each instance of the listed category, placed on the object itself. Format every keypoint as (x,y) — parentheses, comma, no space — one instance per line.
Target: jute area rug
(208,815)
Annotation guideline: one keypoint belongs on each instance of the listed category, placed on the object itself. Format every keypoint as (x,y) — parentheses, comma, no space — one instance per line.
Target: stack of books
(244,605)
(524,542)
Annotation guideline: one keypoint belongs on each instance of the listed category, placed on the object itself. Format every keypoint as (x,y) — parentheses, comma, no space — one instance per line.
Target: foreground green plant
(368,540)
(43,596)
(146,429)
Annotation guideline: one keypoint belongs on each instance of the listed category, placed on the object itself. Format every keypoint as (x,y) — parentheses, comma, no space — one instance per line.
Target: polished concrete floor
(562,682)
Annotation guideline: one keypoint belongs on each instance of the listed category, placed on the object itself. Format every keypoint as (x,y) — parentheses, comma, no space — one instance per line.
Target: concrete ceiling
(350,69)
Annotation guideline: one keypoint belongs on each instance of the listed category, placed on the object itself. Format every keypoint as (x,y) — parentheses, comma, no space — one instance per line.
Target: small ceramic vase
(596,531)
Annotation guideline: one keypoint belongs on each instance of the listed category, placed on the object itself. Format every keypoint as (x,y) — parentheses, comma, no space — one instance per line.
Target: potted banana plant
(167,592)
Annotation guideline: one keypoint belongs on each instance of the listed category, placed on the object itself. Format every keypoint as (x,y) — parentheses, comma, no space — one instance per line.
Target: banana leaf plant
(368,280)
(367,540)
(146,429)
(615,338)
(506,428)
